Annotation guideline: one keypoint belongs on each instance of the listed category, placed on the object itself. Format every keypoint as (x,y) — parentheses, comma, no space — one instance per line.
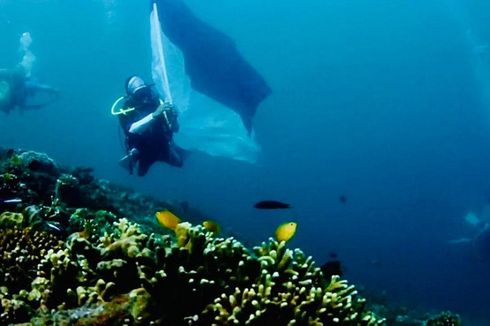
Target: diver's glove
(158,112)
(163,109)
(168,113)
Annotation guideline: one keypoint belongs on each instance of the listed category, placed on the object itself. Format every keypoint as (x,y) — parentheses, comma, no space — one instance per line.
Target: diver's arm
(141,125)
(162,111)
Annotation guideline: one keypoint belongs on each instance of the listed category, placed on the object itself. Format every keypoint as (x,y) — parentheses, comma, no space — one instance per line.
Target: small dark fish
(330,268)
(333,255)
(343,199)
(271,204)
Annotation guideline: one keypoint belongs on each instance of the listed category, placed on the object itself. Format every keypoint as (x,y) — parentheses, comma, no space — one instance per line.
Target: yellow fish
(167,219)
(286,231)
(211,226)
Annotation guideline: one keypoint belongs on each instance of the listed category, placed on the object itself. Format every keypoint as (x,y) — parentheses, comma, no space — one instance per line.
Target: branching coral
(290,291)
(20,252)
(190,275)
(12,310)
(58,276)
(125,241)
(197,277)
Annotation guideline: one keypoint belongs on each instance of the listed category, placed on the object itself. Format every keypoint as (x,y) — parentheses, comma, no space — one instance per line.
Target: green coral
(446,318)
(92,224)
(15,161)
(11,220)
(8,181)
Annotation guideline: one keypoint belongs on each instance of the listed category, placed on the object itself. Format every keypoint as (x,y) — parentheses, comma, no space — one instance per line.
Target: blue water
(383,102)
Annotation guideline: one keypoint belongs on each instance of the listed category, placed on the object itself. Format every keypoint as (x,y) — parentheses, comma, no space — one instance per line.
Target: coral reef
(37,180)
(72,252)
(197,278)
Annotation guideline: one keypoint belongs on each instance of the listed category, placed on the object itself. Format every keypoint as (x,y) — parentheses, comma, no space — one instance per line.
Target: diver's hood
(134,84)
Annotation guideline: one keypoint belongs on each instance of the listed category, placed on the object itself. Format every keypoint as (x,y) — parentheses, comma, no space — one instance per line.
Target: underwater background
(384,102)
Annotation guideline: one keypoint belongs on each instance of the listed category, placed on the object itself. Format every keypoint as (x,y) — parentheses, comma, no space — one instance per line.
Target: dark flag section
(212,61)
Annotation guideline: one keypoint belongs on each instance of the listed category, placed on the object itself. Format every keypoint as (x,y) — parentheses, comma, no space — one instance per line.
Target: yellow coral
(11,219)
(182,234)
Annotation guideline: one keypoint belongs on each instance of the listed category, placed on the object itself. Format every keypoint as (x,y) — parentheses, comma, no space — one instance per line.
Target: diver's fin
(176,155)
(128,161)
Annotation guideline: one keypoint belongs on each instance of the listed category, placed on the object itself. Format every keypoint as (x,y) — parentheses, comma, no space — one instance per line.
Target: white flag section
(205,125)
(158,66)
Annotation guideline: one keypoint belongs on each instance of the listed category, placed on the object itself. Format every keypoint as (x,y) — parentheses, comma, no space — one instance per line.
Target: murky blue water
(385,102)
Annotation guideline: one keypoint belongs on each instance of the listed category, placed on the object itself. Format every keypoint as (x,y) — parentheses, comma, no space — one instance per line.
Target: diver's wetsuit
(155,142)
(12,85)
(16,90)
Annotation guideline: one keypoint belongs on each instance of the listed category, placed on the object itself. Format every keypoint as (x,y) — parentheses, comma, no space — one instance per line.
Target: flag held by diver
(215,89)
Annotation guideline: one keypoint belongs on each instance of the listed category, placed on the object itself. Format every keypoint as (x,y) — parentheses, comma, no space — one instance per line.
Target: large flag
(212,61)
(215,90)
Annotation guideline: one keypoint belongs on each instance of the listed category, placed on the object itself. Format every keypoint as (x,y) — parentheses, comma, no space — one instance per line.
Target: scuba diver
(18,89)
(148,124)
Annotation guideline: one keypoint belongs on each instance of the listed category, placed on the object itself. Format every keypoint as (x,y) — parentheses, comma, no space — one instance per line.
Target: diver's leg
(128,162)
(175,156)
(34,89)
(143,167)
(34,86)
